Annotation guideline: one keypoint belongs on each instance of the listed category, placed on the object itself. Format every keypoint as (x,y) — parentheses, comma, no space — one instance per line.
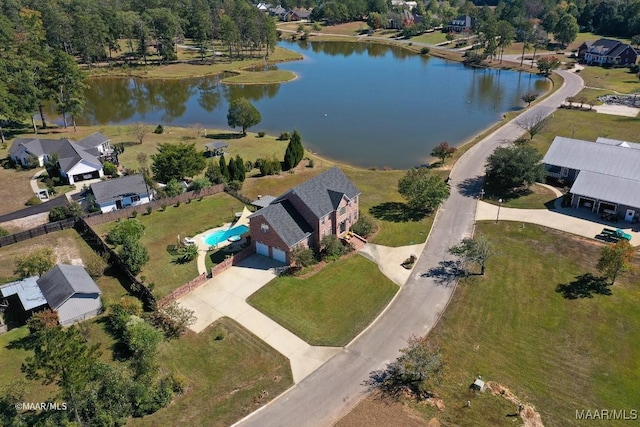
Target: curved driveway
(335,388)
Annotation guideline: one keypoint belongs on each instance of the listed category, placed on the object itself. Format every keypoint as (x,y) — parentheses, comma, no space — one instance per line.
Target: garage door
(279,255)
(262,249)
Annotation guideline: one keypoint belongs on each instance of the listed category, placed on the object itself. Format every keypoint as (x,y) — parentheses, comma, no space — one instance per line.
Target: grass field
(587,125)
(15,189)
(260,77)
(162,230)
(332,306)
(538,198)
(225,377)
(512,327)
(612,79)
(430,38)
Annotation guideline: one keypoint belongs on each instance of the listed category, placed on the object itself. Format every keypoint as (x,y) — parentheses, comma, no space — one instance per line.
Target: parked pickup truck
(616,234)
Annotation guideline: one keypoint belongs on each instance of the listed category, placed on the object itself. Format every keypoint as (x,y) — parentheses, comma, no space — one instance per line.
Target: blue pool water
(222,235)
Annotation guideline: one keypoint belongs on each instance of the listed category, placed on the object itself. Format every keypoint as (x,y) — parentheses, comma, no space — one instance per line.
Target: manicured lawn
(537,198)
(331,307)
(162,230)
(587,125)
(261,77)
(513,328)
(430,38)
(611,79)
(225,377)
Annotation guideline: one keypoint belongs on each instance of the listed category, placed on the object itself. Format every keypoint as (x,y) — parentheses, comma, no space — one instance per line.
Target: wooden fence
(131,282)
(98,219)
(37,231)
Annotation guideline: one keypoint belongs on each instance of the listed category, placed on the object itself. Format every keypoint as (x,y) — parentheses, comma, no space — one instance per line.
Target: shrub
(134,255)
(311,163)
(235,185)
(130,229)
(159,129)
(303,257)
(284,136)
(134,214)
(110,169)
(331,247)
(149,210)
(425,51)
(33,201)
(365,226)
(96,265)
(3,232)
(261,134)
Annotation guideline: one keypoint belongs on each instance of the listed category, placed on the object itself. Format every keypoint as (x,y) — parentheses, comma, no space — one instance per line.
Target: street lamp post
(499,205)
(481,193)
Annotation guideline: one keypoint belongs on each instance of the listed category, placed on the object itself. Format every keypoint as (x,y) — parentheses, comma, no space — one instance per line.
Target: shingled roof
(69,153)
(64,281)
(115,189)
(323,193)
(286,221)
(94,140)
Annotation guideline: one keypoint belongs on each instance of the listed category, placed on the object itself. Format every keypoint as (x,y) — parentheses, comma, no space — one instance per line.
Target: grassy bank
(538,197)
(332,306)
(512,327)
(260,77)
(193,68)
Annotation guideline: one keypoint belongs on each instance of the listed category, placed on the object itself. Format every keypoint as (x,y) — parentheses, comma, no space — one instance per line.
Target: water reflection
(363,103)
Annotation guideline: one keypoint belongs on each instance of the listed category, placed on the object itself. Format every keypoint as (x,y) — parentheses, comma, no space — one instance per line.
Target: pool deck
(203,248)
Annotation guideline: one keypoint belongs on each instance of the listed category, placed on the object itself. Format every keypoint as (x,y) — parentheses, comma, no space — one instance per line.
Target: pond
(363,104)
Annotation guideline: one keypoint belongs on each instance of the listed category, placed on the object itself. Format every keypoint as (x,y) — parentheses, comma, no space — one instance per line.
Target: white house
(77,161)
(114,194)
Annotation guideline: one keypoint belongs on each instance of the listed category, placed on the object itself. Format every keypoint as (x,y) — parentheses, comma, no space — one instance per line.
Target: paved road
(330,392)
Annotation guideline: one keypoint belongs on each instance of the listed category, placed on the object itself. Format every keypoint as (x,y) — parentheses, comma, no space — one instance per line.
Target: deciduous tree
(566,30)
(422,190)
(514,167)
(547,64)
(134,255)
(473,251)
(616,259)
(243,114)
(37,262)
(442,151)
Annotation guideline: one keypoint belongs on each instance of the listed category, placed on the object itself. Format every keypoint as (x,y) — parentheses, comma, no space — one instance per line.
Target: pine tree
(233,170)
(224,170)
(241,170)
(295,151)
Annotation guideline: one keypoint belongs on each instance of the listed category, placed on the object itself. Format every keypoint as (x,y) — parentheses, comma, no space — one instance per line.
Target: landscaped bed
(162,229)
(512,327)
(330,307)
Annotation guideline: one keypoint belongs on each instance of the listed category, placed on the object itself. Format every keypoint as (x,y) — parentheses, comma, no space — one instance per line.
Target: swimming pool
(222,235)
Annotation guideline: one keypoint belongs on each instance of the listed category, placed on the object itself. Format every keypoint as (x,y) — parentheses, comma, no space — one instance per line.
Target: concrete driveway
(226,294)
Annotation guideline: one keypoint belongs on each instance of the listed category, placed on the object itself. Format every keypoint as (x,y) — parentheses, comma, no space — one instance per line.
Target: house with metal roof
(66,289)
(324,205)
(76,161)
(607,52)
(118,193)
(604,175)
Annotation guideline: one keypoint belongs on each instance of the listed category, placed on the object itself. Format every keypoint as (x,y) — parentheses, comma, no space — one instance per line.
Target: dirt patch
(22,224)
(528,413)
(67,252)
(376,411)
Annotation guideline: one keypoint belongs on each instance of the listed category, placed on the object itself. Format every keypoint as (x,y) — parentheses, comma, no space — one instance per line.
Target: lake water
(364,104)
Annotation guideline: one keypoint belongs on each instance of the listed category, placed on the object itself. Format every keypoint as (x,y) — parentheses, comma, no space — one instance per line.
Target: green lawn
(512,327)
(611,79)
(261,77)
(537,198)
(162,229)
(430,38)
(587,125)
(225,377)
(332,306)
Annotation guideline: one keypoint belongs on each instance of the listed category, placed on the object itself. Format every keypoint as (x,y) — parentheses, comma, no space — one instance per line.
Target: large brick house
(301,217)
(607,52)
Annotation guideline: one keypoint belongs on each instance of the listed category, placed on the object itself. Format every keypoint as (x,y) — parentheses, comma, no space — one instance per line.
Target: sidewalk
(564,219)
